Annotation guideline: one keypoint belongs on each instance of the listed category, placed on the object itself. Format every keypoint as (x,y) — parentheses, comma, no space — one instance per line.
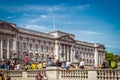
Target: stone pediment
(66,38)
(8,26)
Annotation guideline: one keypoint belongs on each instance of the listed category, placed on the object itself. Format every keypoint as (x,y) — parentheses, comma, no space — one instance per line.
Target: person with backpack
(38,76)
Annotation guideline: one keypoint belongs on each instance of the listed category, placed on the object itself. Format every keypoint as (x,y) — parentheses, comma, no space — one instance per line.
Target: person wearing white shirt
(68,63)
(18,66)
(82,64)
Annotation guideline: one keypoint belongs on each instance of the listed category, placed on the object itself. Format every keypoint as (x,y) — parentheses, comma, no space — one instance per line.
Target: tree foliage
(111,57)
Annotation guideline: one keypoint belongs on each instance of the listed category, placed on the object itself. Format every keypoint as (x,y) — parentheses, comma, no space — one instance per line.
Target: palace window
(18,45)
(24,46)
(41,47)
(4,54)
(36,47)
(30,46)
(5,43)
(46,48)
(10,44)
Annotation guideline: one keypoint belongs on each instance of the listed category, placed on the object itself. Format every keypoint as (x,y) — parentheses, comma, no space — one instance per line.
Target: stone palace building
(15,42)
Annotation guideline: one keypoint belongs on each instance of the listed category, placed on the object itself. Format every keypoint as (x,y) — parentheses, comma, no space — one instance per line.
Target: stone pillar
(74,54)
(64,52)
(57,49)
(92,75)
(24,75)
(67,53)
(71,53)
(96,55)
(14,44)
(1,48)
(8,49)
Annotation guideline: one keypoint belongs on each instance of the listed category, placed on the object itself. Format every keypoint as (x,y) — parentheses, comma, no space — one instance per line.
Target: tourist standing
(26,59)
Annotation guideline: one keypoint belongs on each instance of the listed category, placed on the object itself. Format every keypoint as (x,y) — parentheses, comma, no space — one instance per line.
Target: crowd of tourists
(43,64)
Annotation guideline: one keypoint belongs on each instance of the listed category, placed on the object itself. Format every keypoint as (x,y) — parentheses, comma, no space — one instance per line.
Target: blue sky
(95,21)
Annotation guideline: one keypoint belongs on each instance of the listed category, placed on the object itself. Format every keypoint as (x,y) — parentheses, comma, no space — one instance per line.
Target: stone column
(96,55)
(1,48)
(8,49)
(14,44)
(71,53)
(57,49)
(64,51)
(67,53)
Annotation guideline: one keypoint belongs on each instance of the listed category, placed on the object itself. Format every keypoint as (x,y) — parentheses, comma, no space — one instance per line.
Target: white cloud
(36,27)
(89,32)
(43,16)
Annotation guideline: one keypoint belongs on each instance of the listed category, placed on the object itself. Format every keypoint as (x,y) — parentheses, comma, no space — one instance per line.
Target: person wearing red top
(26,59)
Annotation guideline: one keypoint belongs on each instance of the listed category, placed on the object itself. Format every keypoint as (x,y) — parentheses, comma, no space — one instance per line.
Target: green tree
(111,57)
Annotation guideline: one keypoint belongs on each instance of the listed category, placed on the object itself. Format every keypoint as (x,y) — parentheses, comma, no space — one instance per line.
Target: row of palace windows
(32,46)
(35,41)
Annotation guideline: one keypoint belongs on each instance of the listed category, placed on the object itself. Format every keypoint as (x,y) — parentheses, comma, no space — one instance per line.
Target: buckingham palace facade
(16,42)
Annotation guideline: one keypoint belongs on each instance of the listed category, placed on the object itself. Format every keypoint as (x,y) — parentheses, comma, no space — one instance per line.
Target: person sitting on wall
(40,65)
(68,63)
(58,63)
(105,64)
(82,64)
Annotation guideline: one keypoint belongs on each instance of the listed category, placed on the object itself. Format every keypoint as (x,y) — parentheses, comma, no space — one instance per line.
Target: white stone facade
(16,41)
